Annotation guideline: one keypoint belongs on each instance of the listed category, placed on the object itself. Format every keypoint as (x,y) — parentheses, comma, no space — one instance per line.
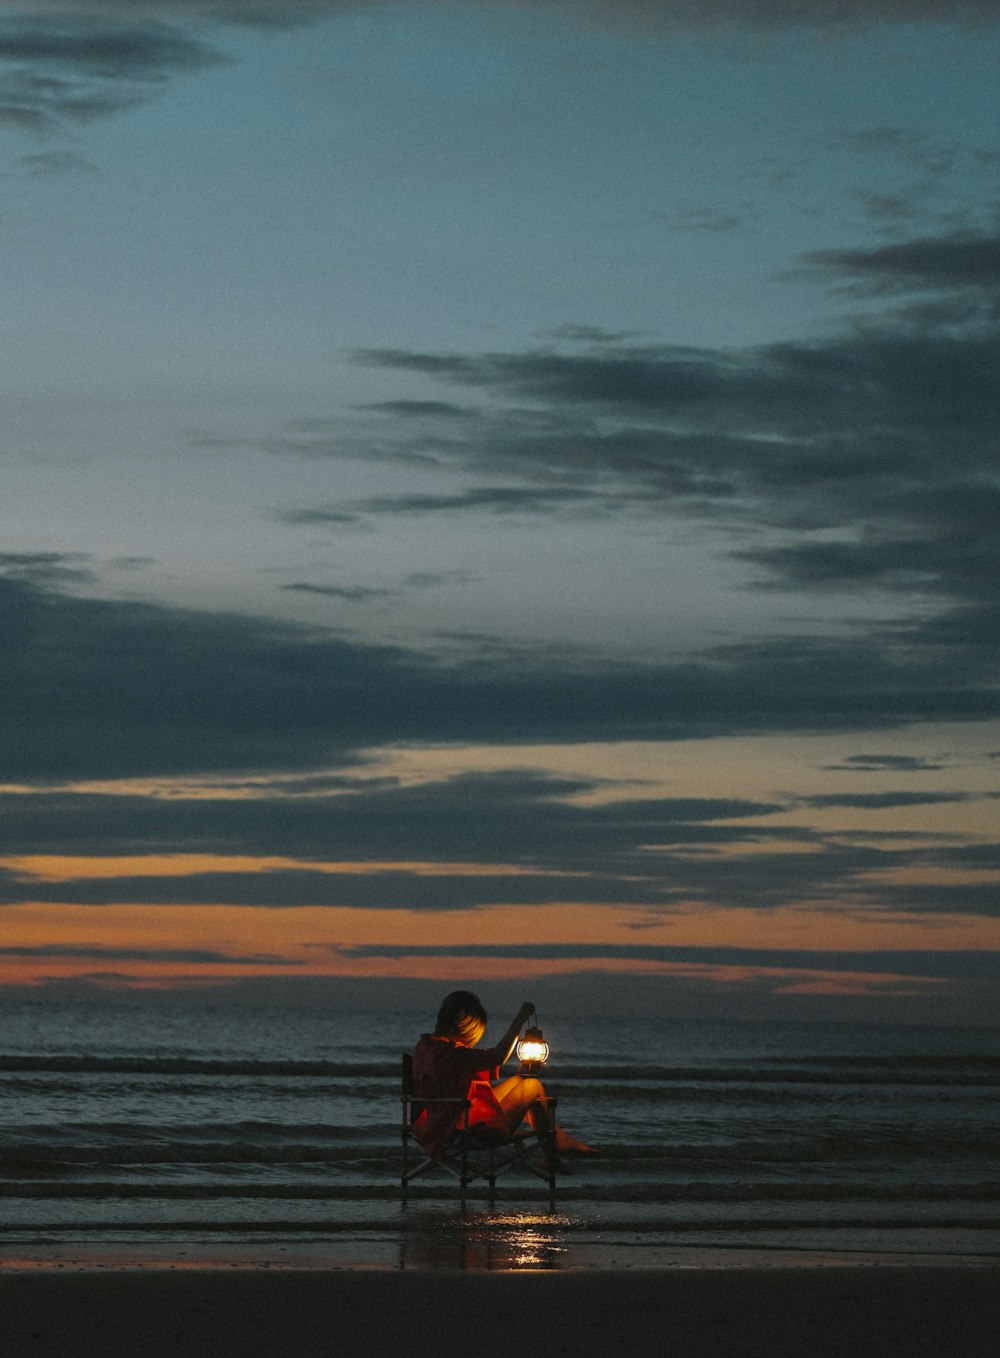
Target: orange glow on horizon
(311,941)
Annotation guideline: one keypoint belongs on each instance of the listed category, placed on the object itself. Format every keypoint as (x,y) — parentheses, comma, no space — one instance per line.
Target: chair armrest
(419,1098)
(413,1106)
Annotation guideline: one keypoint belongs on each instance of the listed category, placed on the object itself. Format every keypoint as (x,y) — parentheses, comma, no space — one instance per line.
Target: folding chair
(471,1152)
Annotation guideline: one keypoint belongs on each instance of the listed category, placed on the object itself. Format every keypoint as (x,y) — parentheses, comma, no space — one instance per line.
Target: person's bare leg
(522,1097)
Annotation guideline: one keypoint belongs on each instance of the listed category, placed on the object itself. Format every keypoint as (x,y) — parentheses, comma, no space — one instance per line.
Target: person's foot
(569,1145)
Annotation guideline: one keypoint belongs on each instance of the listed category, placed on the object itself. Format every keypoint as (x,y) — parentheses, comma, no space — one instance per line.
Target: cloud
(554,844)
(965,898)
(880,801)
(761,416)
(496,500)
(97,952)
(431,410)
(965,965)
(514,817)
(931,564)
(570,333)
(375,890)
(331,517)
(58,68)
(362,594)
(959,260)
(915,178)
(893,763)
(352,594)
(668,13)
(45,569)
(252,13)
(97,688)
(863,460)
(105,51)
(75,60)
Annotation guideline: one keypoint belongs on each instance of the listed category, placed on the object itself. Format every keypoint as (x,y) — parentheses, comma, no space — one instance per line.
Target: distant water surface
(149,1120)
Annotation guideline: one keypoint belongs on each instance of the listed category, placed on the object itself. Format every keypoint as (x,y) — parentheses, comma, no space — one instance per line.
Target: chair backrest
(412,1105)
(408,1090)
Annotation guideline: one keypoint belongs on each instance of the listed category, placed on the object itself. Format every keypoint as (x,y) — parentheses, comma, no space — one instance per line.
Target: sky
(503,495)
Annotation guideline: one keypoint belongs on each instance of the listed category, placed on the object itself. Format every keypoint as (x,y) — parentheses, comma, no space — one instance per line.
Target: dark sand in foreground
(819,1312)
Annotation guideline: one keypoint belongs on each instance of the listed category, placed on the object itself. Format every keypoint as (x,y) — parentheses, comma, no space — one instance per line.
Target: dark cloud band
(101,44)
(967,965)
(96,952)
(99,689)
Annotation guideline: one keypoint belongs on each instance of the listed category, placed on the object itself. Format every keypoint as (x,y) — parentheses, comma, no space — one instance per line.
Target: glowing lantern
(532,1051)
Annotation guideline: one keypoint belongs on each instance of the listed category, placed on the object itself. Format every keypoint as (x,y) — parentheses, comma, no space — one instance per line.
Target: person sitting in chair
(446,1067)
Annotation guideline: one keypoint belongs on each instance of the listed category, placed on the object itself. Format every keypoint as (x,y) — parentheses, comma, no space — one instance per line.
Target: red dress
(443,1069)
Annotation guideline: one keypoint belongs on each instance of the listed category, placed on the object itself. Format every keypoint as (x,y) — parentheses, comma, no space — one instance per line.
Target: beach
(185,1184)
(825,1311)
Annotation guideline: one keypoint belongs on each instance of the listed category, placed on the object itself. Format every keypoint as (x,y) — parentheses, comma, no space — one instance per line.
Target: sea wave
(386,1189)
(970,1069)
(187,1065)
(275,1145)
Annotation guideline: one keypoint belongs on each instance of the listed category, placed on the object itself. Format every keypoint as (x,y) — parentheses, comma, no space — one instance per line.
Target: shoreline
(526,1254)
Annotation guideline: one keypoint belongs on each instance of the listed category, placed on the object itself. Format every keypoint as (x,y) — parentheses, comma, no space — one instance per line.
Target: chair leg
(551,1137)
(495,1166)
(406,1158)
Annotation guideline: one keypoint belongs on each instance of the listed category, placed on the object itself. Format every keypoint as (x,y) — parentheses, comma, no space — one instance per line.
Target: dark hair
(462,1016)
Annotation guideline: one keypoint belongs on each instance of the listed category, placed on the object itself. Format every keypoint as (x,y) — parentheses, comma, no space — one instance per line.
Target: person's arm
(502,1051)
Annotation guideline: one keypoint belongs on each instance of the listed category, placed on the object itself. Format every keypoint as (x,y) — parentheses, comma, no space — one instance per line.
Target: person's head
(461,1017)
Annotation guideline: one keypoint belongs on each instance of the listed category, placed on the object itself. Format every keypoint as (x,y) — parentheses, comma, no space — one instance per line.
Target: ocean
(175,1128)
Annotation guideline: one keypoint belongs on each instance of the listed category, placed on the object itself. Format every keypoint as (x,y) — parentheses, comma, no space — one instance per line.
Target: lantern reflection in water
(531,1244)
(487,1242)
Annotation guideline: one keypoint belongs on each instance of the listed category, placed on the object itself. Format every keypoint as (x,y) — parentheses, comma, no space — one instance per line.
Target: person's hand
(524,1013)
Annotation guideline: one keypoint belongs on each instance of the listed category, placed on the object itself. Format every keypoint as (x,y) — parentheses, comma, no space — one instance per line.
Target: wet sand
(822,1310)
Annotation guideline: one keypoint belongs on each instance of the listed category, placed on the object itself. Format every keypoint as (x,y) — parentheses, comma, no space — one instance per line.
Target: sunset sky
(503,494)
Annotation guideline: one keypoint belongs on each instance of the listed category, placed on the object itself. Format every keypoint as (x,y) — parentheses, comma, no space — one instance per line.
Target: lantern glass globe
(532,1049)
